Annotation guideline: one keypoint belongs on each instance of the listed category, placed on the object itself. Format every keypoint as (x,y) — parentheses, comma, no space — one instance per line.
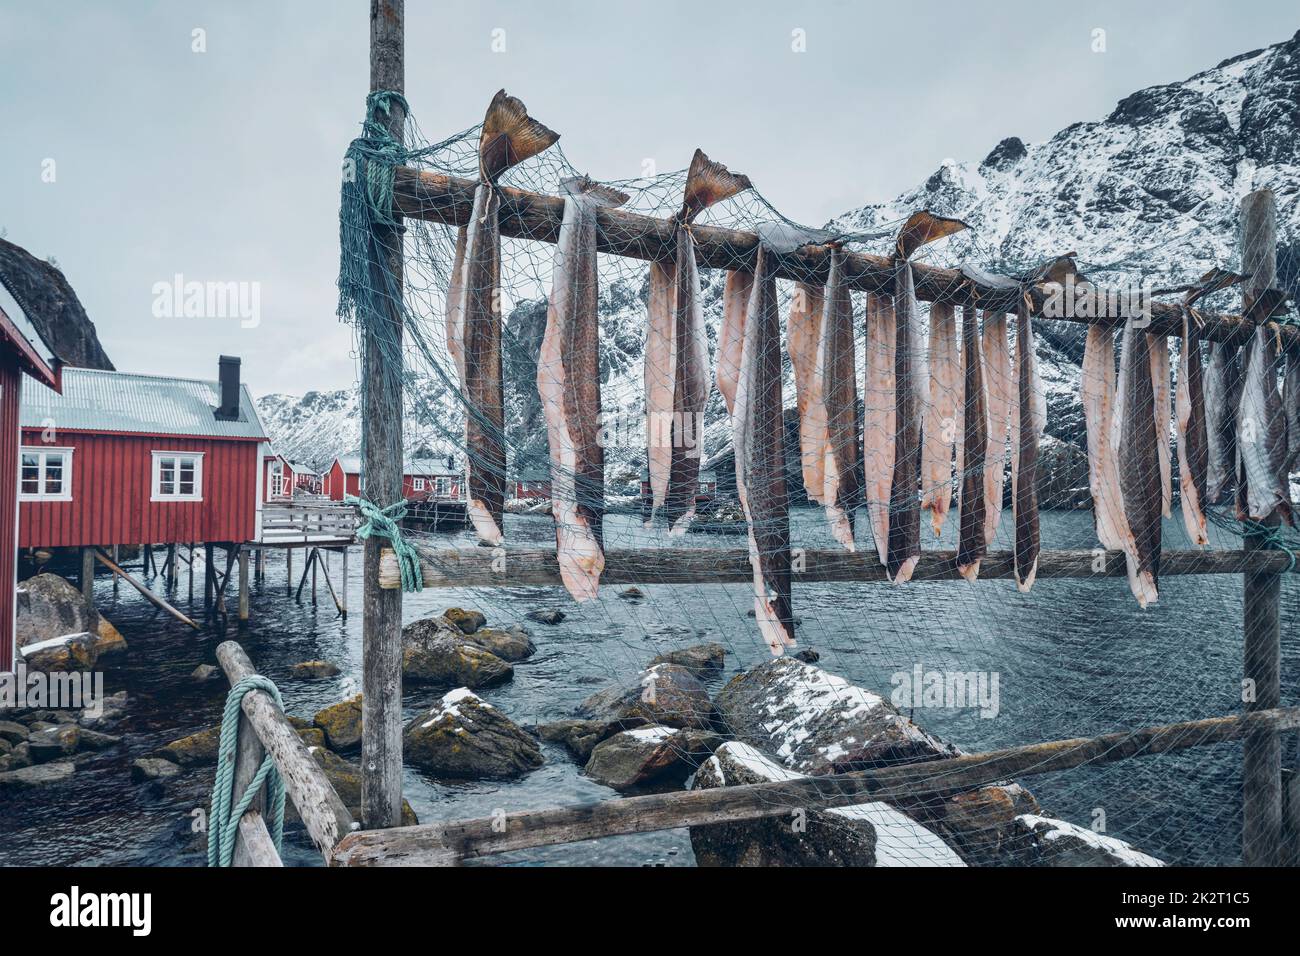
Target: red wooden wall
(111,485)
(9,386)
(335,486)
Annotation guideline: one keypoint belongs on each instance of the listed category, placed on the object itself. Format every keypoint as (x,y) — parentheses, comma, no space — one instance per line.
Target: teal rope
(386,523)
(223,820)
(1274,537)
(366,201)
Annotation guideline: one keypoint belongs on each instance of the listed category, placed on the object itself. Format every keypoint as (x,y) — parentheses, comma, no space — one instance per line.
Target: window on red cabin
(177,476)
(442,488)
(45,474)
(417,484)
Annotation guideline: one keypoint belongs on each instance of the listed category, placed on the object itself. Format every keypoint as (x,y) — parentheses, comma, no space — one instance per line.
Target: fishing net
(1071,657)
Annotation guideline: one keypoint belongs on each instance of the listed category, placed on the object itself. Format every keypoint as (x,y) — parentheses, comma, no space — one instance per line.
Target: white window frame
(42,451)
(155,483)
(442,487)
(417,484)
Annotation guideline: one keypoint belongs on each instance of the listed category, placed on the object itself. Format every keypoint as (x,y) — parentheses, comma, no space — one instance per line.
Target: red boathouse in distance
(120,458)
(19,358)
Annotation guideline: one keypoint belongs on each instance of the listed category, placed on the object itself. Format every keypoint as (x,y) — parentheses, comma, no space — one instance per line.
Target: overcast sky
(223,165)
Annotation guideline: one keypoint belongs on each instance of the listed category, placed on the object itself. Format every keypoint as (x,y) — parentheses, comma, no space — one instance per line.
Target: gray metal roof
(95,400)
(429,467)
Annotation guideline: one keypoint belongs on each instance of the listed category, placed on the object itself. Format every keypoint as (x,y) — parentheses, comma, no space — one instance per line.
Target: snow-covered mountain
(1148,194)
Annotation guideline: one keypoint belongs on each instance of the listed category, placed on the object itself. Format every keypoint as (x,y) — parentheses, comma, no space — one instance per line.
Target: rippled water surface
(1073,658)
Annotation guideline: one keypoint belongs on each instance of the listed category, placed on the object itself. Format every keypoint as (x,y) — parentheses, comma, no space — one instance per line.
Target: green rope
(386,523)
(366,201)
(1274,537)
(223,820)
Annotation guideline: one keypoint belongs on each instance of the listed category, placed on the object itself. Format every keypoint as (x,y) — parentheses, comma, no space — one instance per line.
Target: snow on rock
(865,834)
(1059,843)
(816,722)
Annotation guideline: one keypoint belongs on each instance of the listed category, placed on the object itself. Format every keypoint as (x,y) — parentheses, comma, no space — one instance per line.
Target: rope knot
(386,523)
(223,820)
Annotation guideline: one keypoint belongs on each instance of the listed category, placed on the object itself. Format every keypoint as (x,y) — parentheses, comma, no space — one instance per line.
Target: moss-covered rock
(702,660)
(648,755)
(341,724)
(345,778)
(196,750)
(313,670)
(579,737)
(666,694)
(467,620)
(463,736)
(451,659)
(513,644)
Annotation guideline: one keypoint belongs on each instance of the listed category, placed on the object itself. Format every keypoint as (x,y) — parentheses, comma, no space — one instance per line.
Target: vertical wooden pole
(243,584)
(116,549)
(88,574)
(209,574)
(316,556)
(343,594)
(191,573)
(1261,774)
(381,425)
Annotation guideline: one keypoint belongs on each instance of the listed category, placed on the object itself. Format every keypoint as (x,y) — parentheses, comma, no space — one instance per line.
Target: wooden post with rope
(381,424)
(1261,771)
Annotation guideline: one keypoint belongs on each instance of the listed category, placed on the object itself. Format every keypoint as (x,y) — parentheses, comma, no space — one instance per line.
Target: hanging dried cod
(803,340)
(843,487)
(1001,391)
(758,441)
(1135,436)
(880,415)
(940,431)
(911,397)
(509,137)
(568,383)
(1031,419)
(677,353)
(972,498)
(1261,423)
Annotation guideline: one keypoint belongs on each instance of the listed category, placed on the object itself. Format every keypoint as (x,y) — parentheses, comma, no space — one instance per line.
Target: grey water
(1072,657)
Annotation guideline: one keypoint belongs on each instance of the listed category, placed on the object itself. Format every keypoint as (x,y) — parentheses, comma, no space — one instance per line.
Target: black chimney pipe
(228,376)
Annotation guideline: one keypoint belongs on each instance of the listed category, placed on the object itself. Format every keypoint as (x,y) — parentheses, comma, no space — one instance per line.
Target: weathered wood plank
(430,844)
(148,595)
(435,197)
(1261,784)
(322,811)
(381,423)
(253,845)
(481,567)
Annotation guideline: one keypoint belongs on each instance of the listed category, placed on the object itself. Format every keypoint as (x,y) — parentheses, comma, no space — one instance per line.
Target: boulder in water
(467,621)
(1051,842)
(702,660)
(448,657)
(67,652)
(649,754)
(817,722)
(153,768)
(345,778)
(512,644)
(578,736)
(193,751)
(666,694)
(546,616)
(48,607)
(313,670)
(37,775)
(341,723)
(463,736)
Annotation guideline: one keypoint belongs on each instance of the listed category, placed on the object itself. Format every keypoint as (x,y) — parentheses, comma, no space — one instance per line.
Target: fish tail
(924,227)
(509,136)
(595,192)
(709,182)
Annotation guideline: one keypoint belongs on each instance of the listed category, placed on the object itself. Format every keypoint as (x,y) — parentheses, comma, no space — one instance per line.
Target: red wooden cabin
(424,479)
(118,458)
(19,357)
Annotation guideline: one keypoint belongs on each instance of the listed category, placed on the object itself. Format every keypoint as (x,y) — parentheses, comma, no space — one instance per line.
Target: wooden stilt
(381,423)
(288,570)
(88,574)
(149,595)
(209,575)
(343,607)
(1261,772)
(116,550)
(315,561)
(306,570)
(191,563)
(243,584)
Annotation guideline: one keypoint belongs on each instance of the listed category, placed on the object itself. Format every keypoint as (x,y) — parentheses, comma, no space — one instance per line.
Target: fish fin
(923,227)
(707,183)
(1024,584)
(509,136)
(598,193)
(682,523)
(970,572)
(1057,270)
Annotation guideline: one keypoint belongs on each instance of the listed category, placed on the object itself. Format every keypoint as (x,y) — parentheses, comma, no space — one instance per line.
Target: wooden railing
(309,521)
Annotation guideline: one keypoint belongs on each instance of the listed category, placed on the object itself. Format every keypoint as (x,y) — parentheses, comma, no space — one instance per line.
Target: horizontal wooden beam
(434,197)
(484,567)
(322,811)
(447,842)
